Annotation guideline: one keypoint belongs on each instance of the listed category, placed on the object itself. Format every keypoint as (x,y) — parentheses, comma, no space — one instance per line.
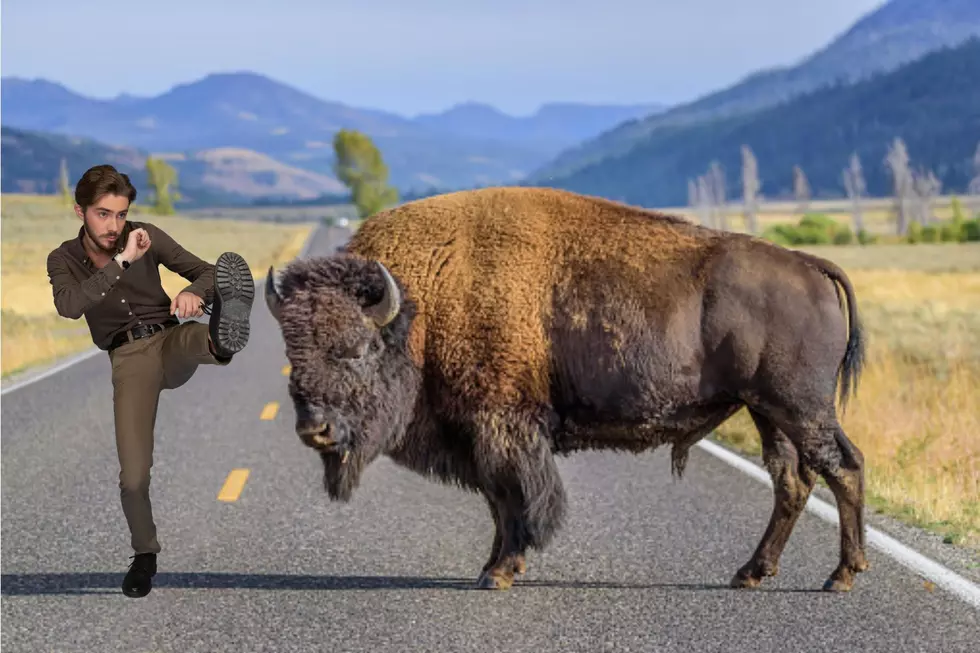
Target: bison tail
(855,352)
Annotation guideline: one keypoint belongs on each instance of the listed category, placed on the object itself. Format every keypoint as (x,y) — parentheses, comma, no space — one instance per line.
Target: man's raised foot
(234,290)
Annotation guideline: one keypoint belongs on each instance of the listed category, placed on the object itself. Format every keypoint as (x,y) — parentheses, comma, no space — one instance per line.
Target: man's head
(102,199)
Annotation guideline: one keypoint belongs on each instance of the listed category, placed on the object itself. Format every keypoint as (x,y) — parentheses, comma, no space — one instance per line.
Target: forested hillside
(933,104)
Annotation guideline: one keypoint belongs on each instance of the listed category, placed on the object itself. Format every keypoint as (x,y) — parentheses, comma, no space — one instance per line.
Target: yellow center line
(233,485)
(270,410)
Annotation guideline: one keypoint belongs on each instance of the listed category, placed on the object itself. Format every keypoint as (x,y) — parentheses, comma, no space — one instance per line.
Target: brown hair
(102,180)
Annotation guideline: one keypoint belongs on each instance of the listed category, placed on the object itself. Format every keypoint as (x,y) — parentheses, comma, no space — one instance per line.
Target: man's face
(104,221)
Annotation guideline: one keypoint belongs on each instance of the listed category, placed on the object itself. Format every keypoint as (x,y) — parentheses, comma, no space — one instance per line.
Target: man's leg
(185,347)
(137,378)
(215,343)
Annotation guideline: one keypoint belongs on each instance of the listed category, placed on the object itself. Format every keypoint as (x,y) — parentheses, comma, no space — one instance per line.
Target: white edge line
(915,561)
(78,358)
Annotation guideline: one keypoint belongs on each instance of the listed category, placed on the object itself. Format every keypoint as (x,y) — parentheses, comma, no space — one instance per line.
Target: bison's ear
(385,311)
(272,298)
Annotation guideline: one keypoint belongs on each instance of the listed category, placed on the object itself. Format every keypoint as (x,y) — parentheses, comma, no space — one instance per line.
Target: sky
(415,56)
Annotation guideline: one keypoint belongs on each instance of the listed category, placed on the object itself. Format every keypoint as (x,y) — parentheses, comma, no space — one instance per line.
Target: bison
(474,336)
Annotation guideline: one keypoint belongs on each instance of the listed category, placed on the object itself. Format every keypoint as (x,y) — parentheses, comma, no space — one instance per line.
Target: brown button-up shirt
(114,300)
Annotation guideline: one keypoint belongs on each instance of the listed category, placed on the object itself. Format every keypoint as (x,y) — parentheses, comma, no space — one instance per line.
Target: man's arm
(177,259)
(71,298)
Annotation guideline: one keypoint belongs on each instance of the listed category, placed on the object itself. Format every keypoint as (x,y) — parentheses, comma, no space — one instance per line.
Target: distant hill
(553,126)
(897,33)
(249,111)
(31,163)
(933,104)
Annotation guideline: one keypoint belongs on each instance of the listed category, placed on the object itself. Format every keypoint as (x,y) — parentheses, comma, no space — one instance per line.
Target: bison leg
(792,484)
(520,566)
(508,559)
(846,481)
(522,484)
(825,448)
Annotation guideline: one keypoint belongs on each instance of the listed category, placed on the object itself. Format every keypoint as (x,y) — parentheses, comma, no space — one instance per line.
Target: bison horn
(272,298)
(385,311)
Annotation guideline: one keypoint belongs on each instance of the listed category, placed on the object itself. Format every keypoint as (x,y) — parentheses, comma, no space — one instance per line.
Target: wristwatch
(119,259)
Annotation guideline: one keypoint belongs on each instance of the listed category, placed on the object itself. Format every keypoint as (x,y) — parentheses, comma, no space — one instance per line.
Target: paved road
(642,565)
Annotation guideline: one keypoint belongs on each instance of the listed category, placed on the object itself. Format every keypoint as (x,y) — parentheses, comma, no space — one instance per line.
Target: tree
(161,176)
(974,188)
(64,187)
(927,186)
(716,184)
(801,189)
(855,186)
(705,211)
(359,166)
(750,188)
(897,160)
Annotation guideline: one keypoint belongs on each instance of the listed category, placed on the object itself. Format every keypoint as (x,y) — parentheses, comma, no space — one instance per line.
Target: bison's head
(345,324)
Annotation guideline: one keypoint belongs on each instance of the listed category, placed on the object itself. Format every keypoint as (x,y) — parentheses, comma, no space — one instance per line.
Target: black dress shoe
(137,582)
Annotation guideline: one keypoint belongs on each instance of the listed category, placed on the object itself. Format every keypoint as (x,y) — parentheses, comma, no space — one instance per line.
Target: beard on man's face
(103,241)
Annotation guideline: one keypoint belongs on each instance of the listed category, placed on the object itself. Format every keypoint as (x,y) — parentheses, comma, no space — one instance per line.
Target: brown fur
(537,322)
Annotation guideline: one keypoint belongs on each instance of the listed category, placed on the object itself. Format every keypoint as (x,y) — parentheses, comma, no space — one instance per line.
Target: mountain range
(240,117)
(932,104)
(238,136)
(895,34)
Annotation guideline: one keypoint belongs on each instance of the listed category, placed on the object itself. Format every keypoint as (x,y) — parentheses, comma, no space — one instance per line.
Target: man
(109,274)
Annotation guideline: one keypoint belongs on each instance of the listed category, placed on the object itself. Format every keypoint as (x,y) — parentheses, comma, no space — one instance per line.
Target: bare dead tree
(926,188)
(716,182)
(801,190)
(705,206)
(750,189)
(897,161)
(974,187)
(855,186)
(64,187)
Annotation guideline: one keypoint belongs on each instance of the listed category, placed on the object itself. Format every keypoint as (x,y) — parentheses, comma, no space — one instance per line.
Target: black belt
(141,331)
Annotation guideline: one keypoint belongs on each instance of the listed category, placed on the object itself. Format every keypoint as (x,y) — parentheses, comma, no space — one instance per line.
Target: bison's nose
(319,433)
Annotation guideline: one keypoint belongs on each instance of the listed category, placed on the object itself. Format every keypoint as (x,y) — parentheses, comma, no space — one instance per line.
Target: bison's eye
(355,351)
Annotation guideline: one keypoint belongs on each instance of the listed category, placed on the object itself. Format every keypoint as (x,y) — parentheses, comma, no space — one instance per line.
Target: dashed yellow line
(270,410)
(232,488)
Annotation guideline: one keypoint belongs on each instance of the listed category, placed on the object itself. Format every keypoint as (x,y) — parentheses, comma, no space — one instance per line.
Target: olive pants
(141,369)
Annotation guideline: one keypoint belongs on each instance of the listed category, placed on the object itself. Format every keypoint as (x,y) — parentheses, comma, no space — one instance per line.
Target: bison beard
(474,336)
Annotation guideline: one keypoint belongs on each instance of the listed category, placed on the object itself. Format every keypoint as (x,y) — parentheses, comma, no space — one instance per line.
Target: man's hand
(187,304)
(136,245)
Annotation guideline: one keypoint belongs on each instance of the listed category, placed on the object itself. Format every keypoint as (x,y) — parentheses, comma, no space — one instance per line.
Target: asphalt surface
(642,565)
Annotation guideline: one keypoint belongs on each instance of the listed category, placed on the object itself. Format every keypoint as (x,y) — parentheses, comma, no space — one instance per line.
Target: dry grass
(916,416)
(34,225)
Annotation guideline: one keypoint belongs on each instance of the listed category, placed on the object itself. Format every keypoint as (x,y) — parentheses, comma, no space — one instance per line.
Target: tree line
(914,191)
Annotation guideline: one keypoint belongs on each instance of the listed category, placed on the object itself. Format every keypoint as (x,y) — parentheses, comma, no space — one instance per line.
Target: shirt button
(123,301)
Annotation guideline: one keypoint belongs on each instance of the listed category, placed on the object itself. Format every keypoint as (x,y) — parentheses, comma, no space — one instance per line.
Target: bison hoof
(740,581)
(494,581)
(520,566)
(838,585)
(842,580)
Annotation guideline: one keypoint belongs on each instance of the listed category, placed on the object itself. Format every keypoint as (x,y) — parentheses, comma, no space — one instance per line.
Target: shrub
(971,230)
(930,234)
(914,233)
(865,238)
